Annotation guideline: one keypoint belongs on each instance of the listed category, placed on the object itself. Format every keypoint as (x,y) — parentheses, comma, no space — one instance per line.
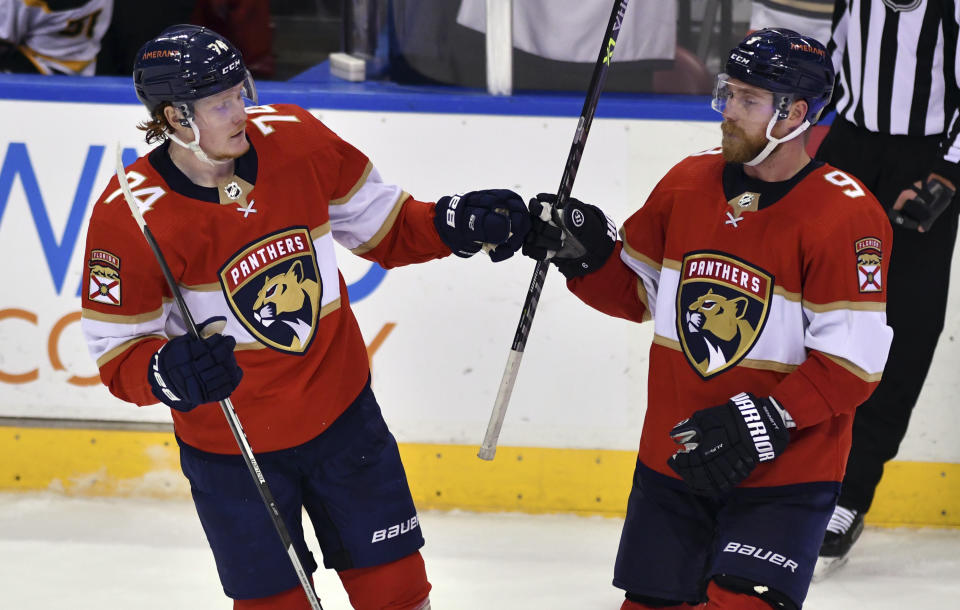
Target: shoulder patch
(104,286)
(869,260)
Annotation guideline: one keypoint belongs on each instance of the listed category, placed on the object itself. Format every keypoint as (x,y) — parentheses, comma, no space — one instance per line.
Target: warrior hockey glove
(494,218)
(723,444)
(187,372)
(577,239)
(920,212)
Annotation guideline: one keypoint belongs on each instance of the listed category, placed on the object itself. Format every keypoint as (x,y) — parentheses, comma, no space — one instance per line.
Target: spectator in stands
(246,22)
(60,37)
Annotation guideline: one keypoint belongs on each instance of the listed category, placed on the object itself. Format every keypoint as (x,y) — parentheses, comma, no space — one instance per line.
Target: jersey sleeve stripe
(388,223)
(845,305)
(636,254)
(859,337)
(854,369)
(320,231)
(89,314)
(648,282)
(118,349)
(356,187)
(642,295)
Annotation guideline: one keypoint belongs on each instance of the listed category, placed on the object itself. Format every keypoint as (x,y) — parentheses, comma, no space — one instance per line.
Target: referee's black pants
(918,278)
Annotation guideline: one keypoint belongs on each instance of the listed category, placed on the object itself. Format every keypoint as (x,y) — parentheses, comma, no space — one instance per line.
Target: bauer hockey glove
(577,239)
(919,213)
(187,372)
(723,444)
(495,218)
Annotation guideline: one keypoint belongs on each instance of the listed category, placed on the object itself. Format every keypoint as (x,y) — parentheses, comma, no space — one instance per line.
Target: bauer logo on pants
(273,286)
(722,305)
(869,260)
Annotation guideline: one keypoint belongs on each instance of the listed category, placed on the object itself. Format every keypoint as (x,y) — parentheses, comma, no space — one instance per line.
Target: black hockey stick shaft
(226,405)
(489,447)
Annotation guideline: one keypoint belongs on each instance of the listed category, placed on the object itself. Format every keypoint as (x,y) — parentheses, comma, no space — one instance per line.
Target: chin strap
(773,142)
(194,146)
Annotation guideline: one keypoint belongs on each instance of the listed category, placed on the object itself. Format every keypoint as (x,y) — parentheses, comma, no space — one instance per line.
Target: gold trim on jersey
(111,354)
(388,222)
(356,187)
(642,295)
(669,263)
(853,368)
(634,253)
(838,305)
(747,201)
(202,287)
(234,191)
(780,291)
(320,231)
(140,318)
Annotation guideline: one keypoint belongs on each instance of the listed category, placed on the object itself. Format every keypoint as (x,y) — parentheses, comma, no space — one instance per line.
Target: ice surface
(133,554)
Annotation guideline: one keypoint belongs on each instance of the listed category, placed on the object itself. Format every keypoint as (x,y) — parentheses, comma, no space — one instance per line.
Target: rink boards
(438,334)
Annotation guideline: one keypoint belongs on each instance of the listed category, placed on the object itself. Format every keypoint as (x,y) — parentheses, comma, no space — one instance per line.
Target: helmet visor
(742,99)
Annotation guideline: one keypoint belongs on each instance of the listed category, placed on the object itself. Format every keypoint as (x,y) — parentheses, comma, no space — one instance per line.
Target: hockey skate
(844,528)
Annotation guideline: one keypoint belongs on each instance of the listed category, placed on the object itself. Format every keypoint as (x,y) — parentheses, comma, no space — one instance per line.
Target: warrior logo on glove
(722,305)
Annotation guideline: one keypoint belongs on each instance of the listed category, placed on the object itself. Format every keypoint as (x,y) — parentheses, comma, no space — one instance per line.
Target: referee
(897,131)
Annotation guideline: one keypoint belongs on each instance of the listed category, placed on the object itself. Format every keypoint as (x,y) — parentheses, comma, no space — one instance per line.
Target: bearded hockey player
(764,274)
(246,204)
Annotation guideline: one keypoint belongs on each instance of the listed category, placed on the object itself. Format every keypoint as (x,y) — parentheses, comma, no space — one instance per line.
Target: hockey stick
(489,447)
(225,404)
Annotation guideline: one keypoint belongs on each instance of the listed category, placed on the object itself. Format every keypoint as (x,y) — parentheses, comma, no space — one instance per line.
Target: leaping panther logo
(288,298)
(719,322)
(722,306)
(273,286)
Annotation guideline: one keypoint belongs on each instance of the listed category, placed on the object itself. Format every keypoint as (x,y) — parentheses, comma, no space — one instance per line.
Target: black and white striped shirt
(897,67)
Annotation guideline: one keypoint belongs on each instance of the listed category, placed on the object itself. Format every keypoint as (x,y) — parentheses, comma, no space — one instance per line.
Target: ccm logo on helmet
(740,59)
(230,67)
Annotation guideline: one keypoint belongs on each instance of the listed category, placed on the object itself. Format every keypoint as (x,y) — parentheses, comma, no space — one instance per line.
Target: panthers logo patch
(869,261)
(273,286)
(104,278)
(722,305)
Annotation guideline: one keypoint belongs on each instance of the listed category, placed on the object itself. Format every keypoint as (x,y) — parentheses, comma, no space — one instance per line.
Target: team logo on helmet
(273,286)
(104,278)
(869,261)
(722,306)
(902,5)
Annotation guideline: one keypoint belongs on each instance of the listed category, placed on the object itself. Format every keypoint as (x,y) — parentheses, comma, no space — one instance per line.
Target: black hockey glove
(496,219)
(723,444)
(920,212)
(577,239)
(187,372)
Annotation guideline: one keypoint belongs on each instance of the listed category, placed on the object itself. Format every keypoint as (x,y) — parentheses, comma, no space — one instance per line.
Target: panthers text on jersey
(770,288)
(56,36)
(259,250)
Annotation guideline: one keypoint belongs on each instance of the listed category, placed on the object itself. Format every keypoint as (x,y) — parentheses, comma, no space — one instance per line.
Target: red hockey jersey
(770,288)
(259,250)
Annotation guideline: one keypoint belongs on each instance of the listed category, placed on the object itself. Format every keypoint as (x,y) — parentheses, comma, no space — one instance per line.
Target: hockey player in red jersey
(246,204)
(764,274)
